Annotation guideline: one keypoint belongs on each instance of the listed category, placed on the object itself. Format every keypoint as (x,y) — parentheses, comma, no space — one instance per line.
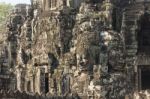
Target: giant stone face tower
(93,49)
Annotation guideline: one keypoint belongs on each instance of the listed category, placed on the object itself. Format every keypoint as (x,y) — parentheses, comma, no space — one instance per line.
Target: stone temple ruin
(94,49)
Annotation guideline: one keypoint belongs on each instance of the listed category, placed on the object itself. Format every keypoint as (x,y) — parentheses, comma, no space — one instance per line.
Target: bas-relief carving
(77,48)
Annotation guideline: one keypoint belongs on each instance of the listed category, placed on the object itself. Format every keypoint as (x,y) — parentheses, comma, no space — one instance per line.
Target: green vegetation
(4,13)
(4,10)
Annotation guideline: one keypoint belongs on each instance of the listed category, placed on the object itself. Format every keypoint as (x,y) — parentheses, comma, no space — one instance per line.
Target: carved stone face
(16,10)
(105,37)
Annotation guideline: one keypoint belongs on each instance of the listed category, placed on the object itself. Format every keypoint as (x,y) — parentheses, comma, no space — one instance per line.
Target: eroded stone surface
(75,48)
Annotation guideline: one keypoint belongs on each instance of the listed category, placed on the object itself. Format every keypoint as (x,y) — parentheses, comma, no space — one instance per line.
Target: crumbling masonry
(98,49)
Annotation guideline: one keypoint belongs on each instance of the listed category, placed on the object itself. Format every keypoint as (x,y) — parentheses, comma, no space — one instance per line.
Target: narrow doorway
(143,36)
(46,83)
(145,78)
(29,86)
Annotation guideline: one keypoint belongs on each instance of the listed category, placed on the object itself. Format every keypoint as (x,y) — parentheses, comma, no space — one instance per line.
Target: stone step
(137,5)
(130,17)
(129,20)
(126,22)
(131,14)
(134,8)
(125,27)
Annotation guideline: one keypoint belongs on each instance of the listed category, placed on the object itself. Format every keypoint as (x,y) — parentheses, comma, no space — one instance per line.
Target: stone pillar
(47,4)
(19,83)
(51,4)
(68,2)
(26,85)
(37,81)
(32,84)
(9,53)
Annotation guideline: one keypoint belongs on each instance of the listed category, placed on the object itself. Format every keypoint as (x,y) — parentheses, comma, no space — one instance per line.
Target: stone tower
(95,49)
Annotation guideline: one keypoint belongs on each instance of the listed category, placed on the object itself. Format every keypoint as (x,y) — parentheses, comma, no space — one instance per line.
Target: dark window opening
(114,21)
(110,68)
(29,86)
(143,36)
(96,1)
(97,59)
(50,3)
(145,79)
(46,83)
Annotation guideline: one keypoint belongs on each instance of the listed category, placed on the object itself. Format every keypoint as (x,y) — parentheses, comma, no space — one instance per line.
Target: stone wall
(87,48)
(23,95)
